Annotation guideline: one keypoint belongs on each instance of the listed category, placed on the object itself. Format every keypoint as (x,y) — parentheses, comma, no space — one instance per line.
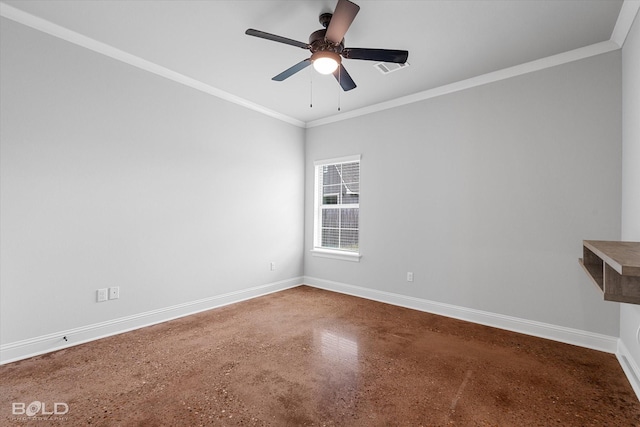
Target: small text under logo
(39,410)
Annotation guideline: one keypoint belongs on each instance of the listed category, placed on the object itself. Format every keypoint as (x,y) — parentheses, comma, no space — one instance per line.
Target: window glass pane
(351,172)
(330,238)
(352,187)
(349,240)
(350,199)
(331,175)
(331,189)
(348,218)
(330,200)
(330,218)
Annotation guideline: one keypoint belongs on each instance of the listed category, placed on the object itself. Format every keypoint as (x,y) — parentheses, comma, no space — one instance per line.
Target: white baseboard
(24,349)
(629,367)
(577,337)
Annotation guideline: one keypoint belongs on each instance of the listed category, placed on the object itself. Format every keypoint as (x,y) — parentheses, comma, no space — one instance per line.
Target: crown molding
(627,15)
(60,32)
(505,73)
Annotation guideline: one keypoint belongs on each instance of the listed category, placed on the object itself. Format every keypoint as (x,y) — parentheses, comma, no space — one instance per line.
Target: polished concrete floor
(308,357)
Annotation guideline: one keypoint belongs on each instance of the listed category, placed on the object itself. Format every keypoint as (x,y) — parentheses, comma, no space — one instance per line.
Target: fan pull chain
(311,88)
(339,85)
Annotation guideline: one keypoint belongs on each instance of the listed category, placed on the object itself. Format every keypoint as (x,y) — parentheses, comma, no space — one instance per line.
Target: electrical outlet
(409,276)
(102,295)
(272,266)
(114,292)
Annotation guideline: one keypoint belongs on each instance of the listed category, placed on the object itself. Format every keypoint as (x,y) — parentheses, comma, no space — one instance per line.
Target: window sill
(342,255)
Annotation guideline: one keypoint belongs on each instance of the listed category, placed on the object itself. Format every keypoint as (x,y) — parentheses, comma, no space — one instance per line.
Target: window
(337,208)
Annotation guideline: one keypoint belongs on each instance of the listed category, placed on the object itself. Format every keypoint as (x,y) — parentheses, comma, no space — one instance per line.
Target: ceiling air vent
(389,67)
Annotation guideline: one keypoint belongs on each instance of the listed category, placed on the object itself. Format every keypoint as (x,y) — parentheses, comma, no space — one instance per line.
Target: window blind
(338,205)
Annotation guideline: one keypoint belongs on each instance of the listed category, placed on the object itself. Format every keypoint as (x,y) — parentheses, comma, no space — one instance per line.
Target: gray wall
(630,314)
(112,176)
(486,194)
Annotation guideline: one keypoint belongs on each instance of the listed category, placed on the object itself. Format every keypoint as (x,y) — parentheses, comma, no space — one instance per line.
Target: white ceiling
(448,41)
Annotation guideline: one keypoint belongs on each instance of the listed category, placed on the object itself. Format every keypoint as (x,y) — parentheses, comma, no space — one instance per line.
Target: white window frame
(318,250)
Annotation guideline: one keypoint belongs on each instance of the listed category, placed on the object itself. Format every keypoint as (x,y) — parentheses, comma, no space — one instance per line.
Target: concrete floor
(306,357)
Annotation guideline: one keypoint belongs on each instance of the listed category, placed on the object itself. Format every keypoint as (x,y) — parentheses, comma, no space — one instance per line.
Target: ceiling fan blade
(273,37)
(292,70)
(344,78)
(341,20)
(382,55)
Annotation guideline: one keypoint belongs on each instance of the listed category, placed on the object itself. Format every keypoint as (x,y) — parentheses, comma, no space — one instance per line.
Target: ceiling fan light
(325,65)
(325,62)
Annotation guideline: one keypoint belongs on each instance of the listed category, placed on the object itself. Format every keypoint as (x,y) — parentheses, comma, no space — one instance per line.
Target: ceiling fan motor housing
(318,42)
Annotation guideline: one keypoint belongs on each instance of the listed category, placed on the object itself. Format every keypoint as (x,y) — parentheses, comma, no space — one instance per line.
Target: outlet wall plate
(114,292)
(101,295)
(638,335)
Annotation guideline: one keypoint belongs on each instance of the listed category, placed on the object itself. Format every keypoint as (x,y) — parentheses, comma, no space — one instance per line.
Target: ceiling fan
(327,47)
